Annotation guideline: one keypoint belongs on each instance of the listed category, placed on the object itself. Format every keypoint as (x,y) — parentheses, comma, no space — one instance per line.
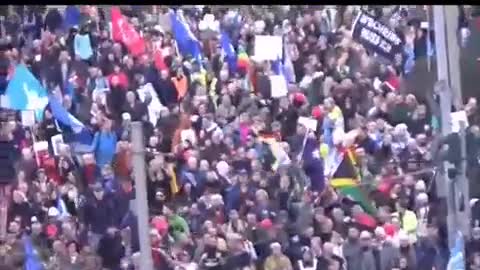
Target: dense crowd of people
(234,179)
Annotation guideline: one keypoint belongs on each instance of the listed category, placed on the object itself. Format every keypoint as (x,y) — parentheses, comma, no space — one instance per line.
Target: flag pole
(307,133)
(138,147)
(427,39)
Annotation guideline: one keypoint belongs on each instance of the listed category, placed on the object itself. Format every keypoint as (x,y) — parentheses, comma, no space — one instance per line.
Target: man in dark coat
(98,214)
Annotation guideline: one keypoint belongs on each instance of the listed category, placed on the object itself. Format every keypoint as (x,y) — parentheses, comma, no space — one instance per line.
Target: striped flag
(346,181)
(174,187)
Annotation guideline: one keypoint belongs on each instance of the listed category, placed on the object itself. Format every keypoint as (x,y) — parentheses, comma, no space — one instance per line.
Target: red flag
(124,32)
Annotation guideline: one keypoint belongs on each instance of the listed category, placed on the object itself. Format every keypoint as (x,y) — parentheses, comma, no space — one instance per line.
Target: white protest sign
(279,86)
(155,106)
(28,118)
(457,118)
(268,47)
(56,141)
(308,122)
(40,146)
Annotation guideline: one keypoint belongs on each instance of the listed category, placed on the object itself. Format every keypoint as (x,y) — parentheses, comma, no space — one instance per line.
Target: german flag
(346,181)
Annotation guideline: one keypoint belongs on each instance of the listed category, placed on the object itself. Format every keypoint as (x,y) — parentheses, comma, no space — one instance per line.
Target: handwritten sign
(308,122)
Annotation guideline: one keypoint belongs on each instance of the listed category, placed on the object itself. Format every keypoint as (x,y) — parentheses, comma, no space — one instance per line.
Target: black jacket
(8,156)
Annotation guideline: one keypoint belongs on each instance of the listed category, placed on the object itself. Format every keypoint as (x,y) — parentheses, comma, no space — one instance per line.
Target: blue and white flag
(63,116)
(284,66)
(62,208)
(25,92)
(229,52)
(32,260)
(457,258)
(187,43)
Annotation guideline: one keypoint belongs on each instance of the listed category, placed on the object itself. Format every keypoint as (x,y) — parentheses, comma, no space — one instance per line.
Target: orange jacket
(181,84)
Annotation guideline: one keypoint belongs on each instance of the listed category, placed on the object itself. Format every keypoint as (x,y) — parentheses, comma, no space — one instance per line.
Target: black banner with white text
(377,37)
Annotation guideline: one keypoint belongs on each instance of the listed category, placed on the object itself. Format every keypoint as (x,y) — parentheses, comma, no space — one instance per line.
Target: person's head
(334,265)
(276,249)
(422,199)
(36,226)
(98,191)
(73,248)
(106,125)
(130,97)
(307,254)
(403,263)
(14,227)
(210,240)
(48,114)
(18,197)
(338,214)
(252,219)
(168,212)
(365,239)
(353,233)
(327,226)
(59,247)
(192,163)
(160,196)
(107,171)
(476,259)
(475,130)
(476,233)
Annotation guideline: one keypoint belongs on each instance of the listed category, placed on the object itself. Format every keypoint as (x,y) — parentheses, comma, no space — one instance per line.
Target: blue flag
(187,43)
(72,16)
(83,46)
(63,116)
(229,51)
(24,92)
(32,261)
(457,259)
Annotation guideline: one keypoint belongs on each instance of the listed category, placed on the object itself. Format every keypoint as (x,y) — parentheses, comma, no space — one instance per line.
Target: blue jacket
(83,46)
(104,146)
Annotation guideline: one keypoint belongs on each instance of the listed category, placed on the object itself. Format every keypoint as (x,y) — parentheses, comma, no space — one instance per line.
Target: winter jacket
(98,215)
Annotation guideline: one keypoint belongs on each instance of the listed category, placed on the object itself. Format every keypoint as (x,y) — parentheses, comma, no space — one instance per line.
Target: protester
(320,159)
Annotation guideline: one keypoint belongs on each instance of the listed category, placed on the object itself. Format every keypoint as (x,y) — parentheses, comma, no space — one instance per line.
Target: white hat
(223,168)
(420,185)
(473,201)
(53,212)
(422,197)
(126,116)
(365,234)
(158,28)
(380,231)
